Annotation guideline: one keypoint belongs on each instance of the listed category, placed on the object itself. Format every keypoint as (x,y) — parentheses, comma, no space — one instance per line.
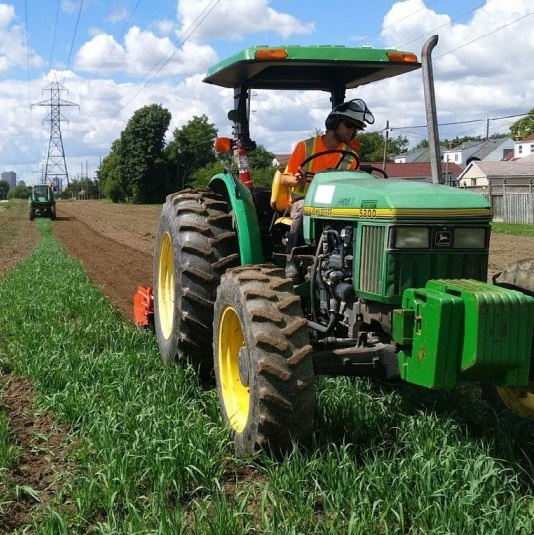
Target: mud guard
(456,330)
(241,203)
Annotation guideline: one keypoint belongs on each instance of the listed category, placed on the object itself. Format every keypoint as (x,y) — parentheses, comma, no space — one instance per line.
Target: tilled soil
(115,244)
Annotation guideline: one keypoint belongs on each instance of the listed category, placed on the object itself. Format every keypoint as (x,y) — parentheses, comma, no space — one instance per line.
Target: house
(483,173)
(491,149)
(524,146)
(416,155)
(488,150)
(420,171)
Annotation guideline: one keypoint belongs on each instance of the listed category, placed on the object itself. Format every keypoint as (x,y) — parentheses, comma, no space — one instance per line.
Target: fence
(510,204)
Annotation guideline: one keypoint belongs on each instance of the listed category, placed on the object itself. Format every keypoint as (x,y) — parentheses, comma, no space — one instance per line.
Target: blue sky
(115,57)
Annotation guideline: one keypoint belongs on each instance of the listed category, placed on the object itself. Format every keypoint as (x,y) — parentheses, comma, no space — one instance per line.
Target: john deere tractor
(42,202)
(392,273)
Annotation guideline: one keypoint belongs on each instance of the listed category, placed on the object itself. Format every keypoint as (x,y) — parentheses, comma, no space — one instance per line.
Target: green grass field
(512,228)
(152,454)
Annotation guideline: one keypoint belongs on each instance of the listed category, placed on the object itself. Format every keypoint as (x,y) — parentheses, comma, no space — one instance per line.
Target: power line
(172,51)
(433,31)
(54,38)
(123,32)
(396,22)
(461,122)
(486,34)
(74,36)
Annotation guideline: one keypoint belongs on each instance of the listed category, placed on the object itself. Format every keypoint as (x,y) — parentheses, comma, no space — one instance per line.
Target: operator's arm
(293,176)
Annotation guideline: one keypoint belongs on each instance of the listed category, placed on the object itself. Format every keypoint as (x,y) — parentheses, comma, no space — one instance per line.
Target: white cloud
(13,51)
(143,54)
(118,13)
(233,19)
(477,64)
(164,27)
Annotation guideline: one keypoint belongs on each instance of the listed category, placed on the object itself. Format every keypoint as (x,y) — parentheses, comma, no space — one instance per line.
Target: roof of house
(416,169)
(479,149)
(417,155)
(525,139)
(523,167)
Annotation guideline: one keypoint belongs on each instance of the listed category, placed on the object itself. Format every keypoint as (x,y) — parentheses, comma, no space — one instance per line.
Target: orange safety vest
(310,147)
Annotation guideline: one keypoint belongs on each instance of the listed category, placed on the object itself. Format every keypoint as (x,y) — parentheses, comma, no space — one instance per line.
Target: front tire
(195,244)
(263,360)
(520,401)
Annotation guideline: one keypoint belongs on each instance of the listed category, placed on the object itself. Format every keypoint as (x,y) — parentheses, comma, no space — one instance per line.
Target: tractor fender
(241,205)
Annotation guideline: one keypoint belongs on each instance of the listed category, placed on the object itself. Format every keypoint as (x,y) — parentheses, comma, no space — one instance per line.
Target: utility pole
(56,166)
(386,139)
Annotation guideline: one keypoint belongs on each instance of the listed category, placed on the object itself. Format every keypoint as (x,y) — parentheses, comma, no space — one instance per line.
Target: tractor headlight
(469,238)
(410,238)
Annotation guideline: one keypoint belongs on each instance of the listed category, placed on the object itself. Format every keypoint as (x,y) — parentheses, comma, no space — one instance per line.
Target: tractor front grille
(372,249)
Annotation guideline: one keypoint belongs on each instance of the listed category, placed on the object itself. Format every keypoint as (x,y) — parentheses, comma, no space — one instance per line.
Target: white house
(524,147)
(483,173)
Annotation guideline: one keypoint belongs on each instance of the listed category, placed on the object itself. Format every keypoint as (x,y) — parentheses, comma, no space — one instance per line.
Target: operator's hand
(298,179)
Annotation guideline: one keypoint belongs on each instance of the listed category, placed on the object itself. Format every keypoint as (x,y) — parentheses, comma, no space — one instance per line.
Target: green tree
(524,126)
(19,192)
(190,150)
(423,144)
(4,188)
(142,167)
(200,177)
(372,146)
(260,158)
(109,177)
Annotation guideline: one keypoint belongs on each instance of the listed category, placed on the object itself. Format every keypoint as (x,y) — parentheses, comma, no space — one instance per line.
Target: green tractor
(42,202)
(392,273)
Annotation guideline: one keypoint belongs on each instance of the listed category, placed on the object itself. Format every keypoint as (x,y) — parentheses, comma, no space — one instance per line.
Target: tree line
(141,168)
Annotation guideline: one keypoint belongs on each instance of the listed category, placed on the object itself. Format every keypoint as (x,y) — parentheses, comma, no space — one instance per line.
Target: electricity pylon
(56,166)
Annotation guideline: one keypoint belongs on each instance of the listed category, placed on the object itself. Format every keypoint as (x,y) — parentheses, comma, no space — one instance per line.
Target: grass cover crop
(152,455)
(513,228)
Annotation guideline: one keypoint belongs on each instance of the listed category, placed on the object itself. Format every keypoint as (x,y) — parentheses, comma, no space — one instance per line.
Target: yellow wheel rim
(235,394)
(166,286)
(519,400)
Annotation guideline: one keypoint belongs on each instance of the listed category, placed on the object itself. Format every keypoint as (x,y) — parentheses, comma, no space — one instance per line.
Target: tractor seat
(280,200)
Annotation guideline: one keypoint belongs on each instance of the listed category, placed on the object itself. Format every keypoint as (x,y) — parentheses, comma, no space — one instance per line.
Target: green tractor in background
(392,274)
(42,202)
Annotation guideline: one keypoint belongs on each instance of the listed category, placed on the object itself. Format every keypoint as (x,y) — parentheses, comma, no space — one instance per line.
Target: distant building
(488,150)
(10,177)
(420,171)
(524,146)
(483,173)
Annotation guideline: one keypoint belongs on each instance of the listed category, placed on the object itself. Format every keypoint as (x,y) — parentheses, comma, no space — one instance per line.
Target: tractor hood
(355,194)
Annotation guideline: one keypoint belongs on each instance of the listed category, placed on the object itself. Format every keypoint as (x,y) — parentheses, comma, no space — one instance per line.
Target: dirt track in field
(115,243)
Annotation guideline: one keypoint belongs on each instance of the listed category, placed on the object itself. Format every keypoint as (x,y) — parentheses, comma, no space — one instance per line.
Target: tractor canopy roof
(327,68)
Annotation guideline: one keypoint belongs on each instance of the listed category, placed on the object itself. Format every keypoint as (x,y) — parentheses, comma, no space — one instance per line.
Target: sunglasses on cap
(350,124)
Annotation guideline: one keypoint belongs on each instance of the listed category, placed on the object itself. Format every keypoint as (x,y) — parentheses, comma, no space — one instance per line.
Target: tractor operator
(342,124)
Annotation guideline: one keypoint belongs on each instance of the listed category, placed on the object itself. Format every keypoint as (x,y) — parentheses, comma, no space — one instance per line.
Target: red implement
(143,305)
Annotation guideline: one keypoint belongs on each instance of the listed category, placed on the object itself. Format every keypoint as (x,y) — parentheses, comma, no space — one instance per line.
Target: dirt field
(115,243)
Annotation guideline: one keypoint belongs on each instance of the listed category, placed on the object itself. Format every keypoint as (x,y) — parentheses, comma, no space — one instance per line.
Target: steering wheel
(371,169)
(343,153)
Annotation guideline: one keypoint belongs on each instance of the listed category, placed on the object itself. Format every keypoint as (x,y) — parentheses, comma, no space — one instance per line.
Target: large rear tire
(518,276)
(195,244)
(263,360)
